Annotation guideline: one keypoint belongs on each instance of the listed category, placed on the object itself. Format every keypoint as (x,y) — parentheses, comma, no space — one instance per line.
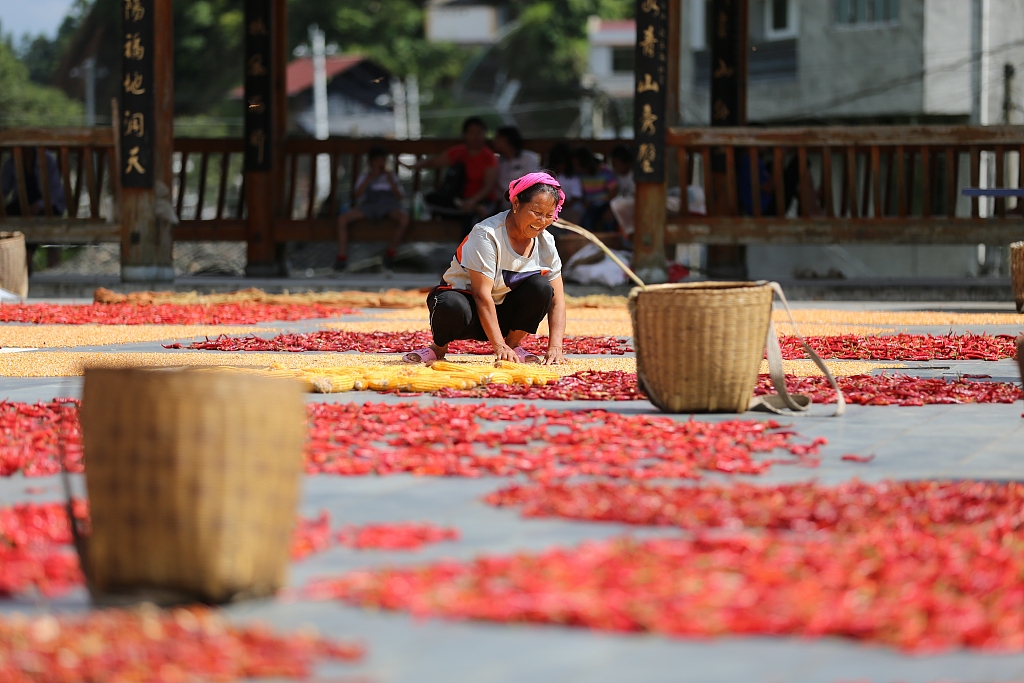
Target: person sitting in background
(33,186)
(622,163)
(560,162)
(378,195)
(514,162)
(599,187)
(479,171)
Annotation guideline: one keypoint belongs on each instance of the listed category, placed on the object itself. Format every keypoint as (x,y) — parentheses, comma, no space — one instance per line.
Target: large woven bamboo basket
(13,264)
(193,477)
(1017,273)
(699,345)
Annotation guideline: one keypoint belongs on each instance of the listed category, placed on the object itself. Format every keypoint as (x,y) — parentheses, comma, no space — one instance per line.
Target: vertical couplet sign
(649,98)
(728,45)
(258,96)
(137,96)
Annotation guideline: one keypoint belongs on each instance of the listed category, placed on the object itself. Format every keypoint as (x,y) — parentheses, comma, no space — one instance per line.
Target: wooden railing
(814,185)
(212,205)
(84,157)
(895,184)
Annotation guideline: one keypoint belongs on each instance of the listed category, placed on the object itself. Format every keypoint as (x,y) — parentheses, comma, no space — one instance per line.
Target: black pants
(453,313)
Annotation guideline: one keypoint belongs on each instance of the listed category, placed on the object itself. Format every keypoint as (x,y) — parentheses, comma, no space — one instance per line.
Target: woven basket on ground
(13,265)
(1017,273)
(193,477)
(699,345)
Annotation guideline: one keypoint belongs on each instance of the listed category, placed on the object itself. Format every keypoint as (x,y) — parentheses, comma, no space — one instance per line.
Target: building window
(623,59)
(862,12)
(780,20)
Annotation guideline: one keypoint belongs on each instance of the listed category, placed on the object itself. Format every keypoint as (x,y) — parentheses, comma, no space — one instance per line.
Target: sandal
(525,356)
(424,355)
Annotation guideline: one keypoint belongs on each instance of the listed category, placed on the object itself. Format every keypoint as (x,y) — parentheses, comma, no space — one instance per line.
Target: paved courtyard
(983,442)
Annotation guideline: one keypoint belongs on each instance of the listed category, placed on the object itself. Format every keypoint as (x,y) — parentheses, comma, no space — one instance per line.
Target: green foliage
(24,103)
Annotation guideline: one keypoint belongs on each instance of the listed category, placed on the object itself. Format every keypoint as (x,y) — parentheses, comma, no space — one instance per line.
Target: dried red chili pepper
(176,646)
(166,314)
(395,342)
(918,347)
(395,536)
(901,586)
(898,389)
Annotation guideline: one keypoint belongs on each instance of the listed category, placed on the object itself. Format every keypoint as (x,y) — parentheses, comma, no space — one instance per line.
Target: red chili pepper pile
(184,645)
(586,385)
(899,586)
(29,558)
(897,389)
(995,509)
(393,342)
(395,536)
(920,347)
(451,440)
(165,314)
(31,434)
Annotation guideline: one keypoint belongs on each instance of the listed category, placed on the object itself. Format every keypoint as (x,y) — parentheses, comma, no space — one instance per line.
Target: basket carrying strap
(785,403)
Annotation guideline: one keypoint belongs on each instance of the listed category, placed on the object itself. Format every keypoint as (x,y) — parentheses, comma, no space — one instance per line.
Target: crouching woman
(504,279)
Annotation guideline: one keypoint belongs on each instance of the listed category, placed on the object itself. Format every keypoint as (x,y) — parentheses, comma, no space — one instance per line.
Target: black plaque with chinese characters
(258,96)
(137,96)
(727,26)
(649,98)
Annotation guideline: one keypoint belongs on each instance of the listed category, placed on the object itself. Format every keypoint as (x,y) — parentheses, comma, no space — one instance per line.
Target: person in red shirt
(480,166)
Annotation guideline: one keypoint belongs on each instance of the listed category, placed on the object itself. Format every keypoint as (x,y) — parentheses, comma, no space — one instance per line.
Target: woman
(514,161)
(505,278)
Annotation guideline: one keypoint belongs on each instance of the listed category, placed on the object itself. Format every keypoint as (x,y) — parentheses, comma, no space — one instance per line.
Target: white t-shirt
(510,169)
(572,187)
(380,183)
(487,250)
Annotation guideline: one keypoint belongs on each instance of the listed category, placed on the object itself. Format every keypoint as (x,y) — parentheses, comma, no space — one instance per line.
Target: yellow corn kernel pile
(59,336)
(421,378)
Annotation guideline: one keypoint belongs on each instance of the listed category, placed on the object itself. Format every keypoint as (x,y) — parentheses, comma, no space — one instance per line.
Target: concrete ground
(962,441)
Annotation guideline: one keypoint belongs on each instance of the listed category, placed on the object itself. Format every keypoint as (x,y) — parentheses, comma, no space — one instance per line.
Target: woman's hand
(503,351)
(554,356)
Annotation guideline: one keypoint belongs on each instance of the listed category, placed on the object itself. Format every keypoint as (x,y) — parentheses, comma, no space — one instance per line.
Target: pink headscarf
(531,179)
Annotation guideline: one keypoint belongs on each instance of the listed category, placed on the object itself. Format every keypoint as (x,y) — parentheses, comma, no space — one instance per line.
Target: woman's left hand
(554,356)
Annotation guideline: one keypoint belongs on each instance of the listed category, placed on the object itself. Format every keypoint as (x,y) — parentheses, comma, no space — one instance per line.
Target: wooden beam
(650,118)
(53,137)
(840,136)
(266,106)
(912,230)
(63,230)
(324,229)
(147,142)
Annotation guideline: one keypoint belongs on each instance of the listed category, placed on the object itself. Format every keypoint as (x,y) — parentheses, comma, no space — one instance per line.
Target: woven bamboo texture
(1017,273)
(699,345)
(193,478)
(13,264)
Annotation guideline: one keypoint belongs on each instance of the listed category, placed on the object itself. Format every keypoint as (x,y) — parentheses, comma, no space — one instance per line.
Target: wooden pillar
(729,51)
(147,140)
(650,119)
(266,116)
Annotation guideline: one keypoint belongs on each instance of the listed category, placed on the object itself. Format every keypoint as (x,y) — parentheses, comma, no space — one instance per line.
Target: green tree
(24,103)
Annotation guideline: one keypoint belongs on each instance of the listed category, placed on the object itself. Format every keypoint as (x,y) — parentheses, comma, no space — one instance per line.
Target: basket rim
(723,285)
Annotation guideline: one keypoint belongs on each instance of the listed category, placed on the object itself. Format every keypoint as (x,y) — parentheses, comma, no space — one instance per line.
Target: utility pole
(321,122)
(398,101)
(412,97)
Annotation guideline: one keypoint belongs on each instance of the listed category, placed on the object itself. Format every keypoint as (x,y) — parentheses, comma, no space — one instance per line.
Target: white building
(822,62)
(467,22)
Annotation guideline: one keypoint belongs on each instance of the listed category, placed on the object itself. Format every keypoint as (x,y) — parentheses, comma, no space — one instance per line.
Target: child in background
(378,195)
(560,161)
(599,187)
(622,163)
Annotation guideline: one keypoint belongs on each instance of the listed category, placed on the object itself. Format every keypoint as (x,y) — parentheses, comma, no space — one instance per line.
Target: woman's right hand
(503,351)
